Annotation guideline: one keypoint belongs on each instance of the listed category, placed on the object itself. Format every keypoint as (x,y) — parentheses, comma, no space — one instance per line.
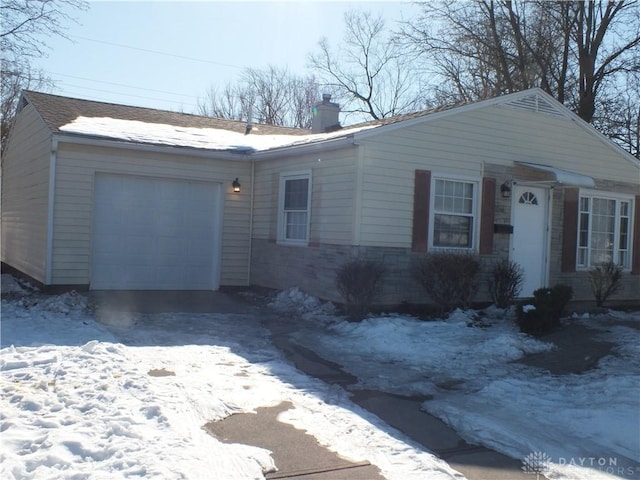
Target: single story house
(104,196)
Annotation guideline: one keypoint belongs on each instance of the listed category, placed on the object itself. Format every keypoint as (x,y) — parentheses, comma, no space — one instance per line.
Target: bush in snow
(450,278)
(542,313)
(358,281)
(505,282)
(605,279)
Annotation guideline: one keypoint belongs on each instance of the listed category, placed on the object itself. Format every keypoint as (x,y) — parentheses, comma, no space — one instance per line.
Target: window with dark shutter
(487,217)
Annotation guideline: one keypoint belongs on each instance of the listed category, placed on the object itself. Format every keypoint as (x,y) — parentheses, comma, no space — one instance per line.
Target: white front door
(529,241)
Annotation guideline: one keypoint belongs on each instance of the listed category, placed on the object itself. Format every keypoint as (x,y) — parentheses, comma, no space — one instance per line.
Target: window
(528,198)
(454,213)
(604,231)
(295,197)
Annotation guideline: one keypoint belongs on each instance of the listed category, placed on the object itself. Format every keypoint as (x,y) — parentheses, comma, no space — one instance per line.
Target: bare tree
(369,72)
(25,27)
(601,53)
(486,48)
(233,102)
(618,113)
(271,95)
(16,77)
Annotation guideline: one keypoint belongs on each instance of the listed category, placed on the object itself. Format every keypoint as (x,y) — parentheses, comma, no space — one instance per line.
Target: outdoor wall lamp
(236,185)
(505,189)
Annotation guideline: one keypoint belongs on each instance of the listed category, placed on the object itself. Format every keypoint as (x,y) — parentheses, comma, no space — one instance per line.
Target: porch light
(505,189)
(236,185)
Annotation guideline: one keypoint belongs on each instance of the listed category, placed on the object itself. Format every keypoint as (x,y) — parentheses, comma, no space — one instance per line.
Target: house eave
(307,148)
(153,148)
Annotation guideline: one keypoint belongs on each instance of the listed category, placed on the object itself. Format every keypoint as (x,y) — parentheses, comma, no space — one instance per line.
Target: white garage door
(155,234)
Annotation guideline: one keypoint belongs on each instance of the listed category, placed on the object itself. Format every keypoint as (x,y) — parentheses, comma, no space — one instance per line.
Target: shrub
(450,278)
(358,281)
(542,313)
(605,279)
(505,282)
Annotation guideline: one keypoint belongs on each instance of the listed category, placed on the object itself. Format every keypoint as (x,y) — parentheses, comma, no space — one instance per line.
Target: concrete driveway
(163,301)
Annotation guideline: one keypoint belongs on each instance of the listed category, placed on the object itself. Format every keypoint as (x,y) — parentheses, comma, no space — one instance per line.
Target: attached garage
(155,234)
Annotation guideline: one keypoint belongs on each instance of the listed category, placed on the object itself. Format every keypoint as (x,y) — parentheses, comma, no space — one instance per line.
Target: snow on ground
(465,363)
(78,399)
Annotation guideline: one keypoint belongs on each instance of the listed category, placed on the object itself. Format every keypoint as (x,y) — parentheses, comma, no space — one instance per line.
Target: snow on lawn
(465,364)
(78,399)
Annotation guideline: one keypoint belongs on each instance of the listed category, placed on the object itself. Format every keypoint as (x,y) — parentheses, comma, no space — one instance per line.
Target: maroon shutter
(635,240)
(570,230)
(487,215)
(421,197)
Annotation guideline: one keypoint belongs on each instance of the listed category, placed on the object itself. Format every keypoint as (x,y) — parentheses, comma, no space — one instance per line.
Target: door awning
(557,175)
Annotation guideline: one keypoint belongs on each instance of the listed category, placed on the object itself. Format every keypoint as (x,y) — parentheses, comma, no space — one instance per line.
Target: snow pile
(67,303)
(305,305)
(11,285)
(45,320)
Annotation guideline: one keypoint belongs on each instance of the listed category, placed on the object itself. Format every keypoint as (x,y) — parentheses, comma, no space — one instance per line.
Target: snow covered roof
(159,127)
(194,137)
(57,111)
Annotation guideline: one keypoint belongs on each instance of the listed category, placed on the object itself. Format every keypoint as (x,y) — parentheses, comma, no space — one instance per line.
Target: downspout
(52,194)
(251,205)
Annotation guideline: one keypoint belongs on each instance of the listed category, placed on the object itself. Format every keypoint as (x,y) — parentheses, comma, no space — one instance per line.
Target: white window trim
(295,175)
(608,196)
(475,210)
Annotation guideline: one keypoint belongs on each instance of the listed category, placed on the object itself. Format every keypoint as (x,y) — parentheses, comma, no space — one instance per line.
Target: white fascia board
(306,148)
(145,147)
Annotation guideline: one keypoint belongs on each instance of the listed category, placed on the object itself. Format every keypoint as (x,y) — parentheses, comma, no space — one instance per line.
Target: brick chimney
(325,115)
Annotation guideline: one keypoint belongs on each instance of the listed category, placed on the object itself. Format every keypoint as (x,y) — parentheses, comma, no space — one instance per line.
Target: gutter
(243,155)
(251,207)
(152,148)
(321,146)
(51,210)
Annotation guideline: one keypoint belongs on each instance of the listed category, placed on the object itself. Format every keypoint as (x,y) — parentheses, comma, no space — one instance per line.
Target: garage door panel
(152,233)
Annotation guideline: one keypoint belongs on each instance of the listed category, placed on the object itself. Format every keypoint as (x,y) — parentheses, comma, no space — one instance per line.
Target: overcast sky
(167,54)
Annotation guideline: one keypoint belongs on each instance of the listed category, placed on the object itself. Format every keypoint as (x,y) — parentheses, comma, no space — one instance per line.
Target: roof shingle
(57,111)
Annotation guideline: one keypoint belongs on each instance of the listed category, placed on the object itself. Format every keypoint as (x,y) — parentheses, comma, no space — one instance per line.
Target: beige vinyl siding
(332,196)
(459,144)
(76,169)
(25,192)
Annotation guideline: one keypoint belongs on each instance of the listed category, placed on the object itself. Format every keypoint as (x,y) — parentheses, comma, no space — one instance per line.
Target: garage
(155,234)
